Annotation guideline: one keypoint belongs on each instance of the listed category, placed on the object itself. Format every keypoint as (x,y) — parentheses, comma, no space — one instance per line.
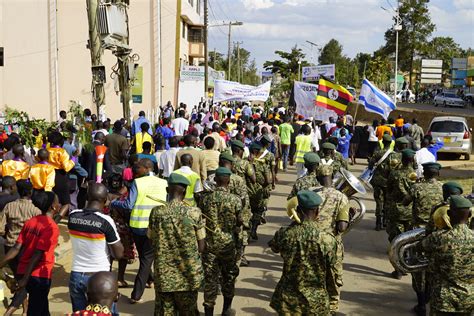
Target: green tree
(416,30)
(444,48)
(361,60)
(332,53)
(378,70)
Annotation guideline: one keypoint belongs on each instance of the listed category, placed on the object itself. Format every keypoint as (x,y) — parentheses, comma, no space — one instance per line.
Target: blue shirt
(343,145)
(136,126)
(435,148)
(167,134)
(147,156)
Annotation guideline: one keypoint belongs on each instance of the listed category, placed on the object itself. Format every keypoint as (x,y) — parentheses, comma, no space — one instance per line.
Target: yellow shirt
(17,169)
(42,176)
(140,138)
(303,146)
(59,159)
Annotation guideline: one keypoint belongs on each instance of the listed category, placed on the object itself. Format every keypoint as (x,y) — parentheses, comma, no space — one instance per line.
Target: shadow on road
(357,268)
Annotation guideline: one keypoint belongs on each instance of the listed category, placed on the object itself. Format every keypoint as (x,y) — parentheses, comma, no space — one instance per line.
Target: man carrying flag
(332,96)
(375,100)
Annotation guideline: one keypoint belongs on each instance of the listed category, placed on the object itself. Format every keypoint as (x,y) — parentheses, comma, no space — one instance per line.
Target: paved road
(368,288)
(469,111)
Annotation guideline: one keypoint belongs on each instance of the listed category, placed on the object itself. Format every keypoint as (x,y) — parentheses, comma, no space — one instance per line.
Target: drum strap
(327,162)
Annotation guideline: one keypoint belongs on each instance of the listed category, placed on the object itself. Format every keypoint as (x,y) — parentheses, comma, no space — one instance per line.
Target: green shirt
(285,133)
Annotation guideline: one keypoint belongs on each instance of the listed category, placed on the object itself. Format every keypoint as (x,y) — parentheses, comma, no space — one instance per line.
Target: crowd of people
(186,195)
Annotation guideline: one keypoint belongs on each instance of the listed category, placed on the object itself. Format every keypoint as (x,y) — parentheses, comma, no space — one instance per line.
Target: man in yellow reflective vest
(145,193)
(194,179)
(303,146)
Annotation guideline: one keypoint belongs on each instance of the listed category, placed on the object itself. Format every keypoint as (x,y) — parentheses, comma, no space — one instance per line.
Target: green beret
(408,153)
(267,139)
(238,144)
(402,140)
(325,170)
(176,178)
(226,156)
(222,171)
(255,146)
(452,187)
(308,199)
(328,145)
(311,158)
(432,165)
(458,202)
(387,138)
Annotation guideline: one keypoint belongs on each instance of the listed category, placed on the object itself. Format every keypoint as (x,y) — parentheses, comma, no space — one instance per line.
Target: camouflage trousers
(436,313)
(420,283)
(219,268)
(174,303)
(334,290)
(379,199)
(396,227)
(288,302)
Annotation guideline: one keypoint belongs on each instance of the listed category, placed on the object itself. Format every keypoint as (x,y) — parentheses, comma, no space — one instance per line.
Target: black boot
(420,309)
(226,310)
(208,311)
(378,223)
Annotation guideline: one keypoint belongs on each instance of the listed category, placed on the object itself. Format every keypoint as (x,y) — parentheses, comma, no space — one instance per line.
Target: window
(195,35)
(448,127)
(198,7)
(184,27)
(1,56)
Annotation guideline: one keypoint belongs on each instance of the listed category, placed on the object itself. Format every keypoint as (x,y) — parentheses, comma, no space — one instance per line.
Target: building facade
(46,62)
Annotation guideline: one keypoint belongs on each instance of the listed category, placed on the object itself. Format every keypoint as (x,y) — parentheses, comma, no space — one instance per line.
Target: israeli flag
(375,100)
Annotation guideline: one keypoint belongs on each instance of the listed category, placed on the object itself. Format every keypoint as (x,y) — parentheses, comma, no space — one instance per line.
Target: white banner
(305,99)
(431,63)
(314,72)
(233,91)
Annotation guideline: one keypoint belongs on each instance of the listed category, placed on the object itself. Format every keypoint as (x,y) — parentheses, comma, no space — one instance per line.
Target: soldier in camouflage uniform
(177,234)
(310,180)
(424,196)
(222,211)
(450,262)
(399,186)
(309,256)
(333,218)
(379,179)
(268,157)
(259,192)
(329,156)
(449,189)
(238,187)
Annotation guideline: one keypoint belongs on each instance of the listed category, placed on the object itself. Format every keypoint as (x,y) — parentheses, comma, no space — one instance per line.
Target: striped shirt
(14,216)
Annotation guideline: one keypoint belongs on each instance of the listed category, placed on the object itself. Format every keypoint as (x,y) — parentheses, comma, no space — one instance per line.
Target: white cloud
(258,4)
(463,4)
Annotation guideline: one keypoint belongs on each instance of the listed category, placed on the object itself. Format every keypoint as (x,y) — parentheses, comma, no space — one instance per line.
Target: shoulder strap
(385,155)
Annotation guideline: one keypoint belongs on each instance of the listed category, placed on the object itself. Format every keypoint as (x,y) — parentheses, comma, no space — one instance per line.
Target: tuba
(366,176)
(209,184)
(404,255)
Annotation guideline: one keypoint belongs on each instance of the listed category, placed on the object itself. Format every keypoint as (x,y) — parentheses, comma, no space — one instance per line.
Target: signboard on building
(313,73)
(191,73)
(459,63)
(431,71)
(137,88)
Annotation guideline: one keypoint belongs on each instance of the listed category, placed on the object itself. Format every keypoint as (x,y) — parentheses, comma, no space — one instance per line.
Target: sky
(359,25)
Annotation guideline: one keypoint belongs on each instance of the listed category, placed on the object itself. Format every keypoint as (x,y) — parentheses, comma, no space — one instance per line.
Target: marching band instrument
(291,206)
(209,184)
(366,176)
(403,253)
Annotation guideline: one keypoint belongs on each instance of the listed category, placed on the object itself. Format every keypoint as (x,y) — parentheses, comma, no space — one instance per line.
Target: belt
(86,273)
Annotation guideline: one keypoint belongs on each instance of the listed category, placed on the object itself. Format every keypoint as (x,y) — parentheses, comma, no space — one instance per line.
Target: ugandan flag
(333,97)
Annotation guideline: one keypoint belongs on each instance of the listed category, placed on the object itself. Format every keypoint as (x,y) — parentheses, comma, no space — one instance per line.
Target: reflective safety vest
(303,146)
(192,178)
(147,187)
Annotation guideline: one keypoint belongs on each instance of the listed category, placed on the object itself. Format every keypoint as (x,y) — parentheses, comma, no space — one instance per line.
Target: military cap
(266,138)
(328,145)
(458,202)
(176,178)
(226,156)
(255,146)
(238,144)
(325,170)
(402,140)
(431,165)
(387,138)
(308,199)
(222,171)
(408,153)
(311,158)
(452,187)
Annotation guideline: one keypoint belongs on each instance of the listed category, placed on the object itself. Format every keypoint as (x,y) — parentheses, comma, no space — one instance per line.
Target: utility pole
(397,27)
(214,62)
(229,52)
(206,53)
(238,61)
(94,45)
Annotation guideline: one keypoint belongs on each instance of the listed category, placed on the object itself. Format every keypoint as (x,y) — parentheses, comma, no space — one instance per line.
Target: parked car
(448,99)
(401,96)
(469,98)
(454,132)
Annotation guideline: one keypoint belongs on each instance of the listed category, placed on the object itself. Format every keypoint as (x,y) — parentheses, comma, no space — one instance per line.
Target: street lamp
(397,27)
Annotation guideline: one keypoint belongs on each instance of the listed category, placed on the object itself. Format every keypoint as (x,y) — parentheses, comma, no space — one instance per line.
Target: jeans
(78,289)
(38,290)
(300,170)
(145,256)
(286,154)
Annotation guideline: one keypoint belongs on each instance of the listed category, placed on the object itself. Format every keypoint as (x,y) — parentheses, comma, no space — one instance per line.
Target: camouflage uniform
(222,211)
(398,215)
(174,230)
(305,183)
(425,196)
(450,262)
(337,163)
(259,193)
(309,258)
(379,181)
(335,208)
(238,187)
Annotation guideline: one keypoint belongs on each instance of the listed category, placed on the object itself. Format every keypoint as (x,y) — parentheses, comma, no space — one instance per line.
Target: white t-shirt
(372,136)
(180,125)
(423,156)
(166,162)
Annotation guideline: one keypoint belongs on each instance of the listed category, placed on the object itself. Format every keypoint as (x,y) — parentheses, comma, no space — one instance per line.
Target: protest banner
(305,98)
(233,91)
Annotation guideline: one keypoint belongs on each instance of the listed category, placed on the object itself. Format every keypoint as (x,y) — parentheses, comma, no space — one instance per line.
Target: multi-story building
(46,62)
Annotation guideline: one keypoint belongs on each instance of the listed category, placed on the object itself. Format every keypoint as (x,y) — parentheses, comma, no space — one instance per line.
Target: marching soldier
(399,184)
(268,157)
(238,187)
(424,196)
(310,180)
(450,262)
(331,157)
(177,234)
(307,275)
(379,179)
(222,211)
(259,192)
(439,214)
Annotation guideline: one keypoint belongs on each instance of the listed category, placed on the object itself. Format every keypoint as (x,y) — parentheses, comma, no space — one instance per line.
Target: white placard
(313,73)
(431,63)
(430,76)
(233,91)
(432,70)
(425,80)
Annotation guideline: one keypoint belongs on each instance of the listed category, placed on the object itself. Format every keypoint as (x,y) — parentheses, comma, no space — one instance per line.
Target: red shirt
(39,232)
